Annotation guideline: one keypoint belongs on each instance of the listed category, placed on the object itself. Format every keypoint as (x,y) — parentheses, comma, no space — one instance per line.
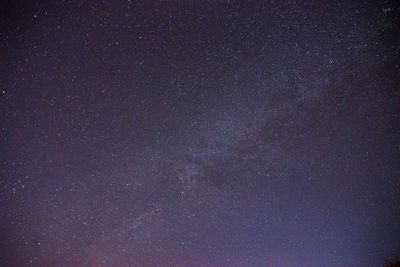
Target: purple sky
(199,133)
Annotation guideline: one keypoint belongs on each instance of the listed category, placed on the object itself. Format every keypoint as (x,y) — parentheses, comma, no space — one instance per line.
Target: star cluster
(199,133)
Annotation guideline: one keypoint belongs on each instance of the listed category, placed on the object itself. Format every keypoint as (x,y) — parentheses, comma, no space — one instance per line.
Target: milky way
(199,133)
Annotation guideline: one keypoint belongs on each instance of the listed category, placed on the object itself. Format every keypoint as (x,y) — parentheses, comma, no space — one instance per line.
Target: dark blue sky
(199,133)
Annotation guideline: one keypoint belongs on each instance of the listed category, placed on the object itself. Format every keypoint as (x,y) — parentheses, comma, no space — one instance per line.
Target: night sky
(199,133)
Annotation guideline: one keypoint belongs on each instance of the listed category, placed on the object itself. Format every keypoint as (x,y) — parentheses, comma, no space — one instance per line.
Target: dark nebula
(199,133)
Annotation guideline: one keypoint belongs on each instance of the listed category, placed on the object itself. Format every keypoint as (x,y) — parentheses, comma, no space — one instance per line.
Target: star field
(199,133)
